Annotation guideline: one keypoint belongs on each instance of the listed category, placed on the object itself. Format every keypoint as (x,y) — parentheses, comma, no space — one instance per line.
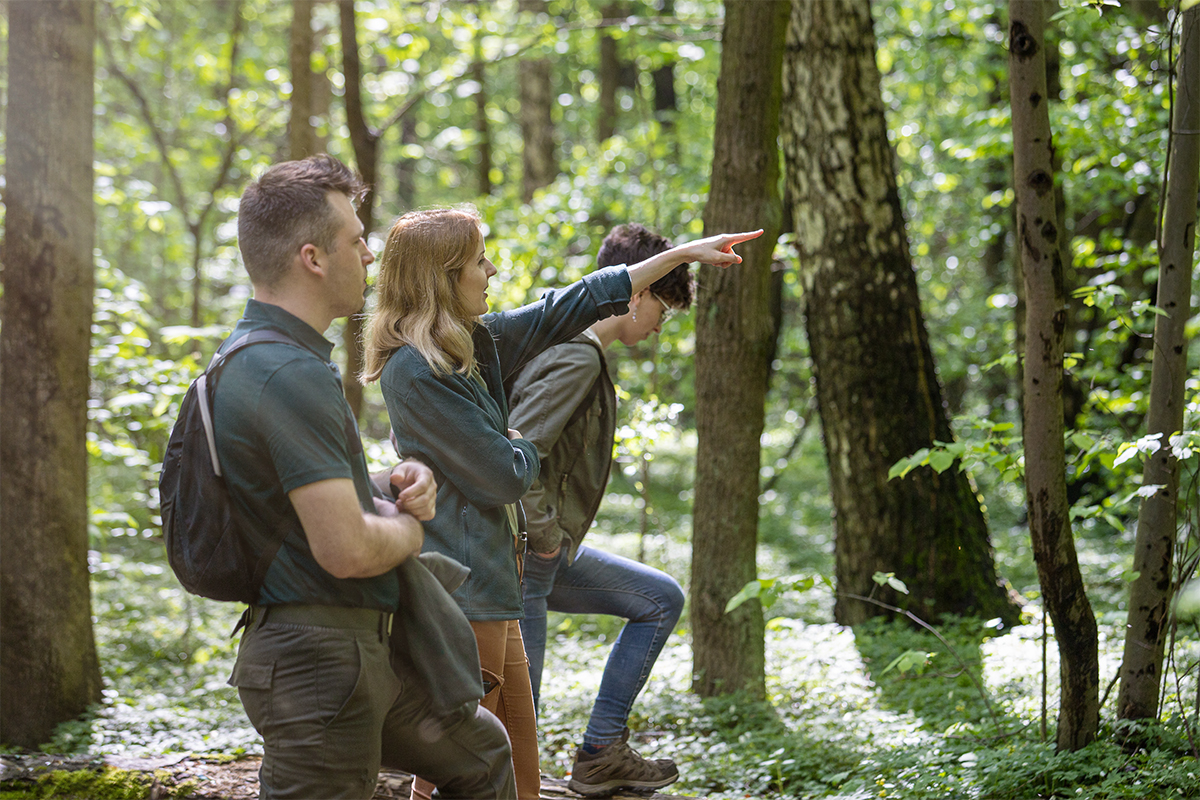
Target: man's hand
(513,433)
(418,489)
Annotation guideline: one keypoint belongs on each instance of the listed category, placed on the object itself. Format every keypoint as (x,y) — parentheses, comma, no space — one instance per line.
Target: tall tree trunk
(49,672)
(479,74)
(733,335)
(1046,316)
(365,142)
(609,74)
(1150,595)
(877,389)
(666,104)
(302,137)
(537,126)
(406,168)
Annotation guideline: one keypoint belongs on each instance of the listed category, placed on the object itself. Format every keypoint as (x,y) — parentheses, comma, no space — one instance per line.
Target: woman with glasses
(442,361)
(565,403)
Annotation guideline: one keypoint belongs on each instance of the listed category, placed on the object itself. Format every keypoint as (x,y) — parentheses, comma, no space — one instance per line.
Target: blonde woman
(442,361)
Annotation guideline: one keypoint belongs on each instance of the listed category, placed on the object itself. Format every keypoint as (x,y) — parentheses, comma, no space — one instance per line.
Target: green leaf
(749,592)
(1187,5)
(940,460)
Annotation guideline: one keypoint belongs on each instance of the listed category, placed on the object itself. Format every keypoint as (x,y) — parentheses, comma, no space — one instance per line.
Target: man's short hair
(288,208)
(632,243)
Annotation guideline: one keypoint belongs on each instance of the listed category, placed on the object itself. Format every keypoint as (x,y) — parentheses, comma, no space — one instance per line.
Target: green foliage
(865,713)
(105,783)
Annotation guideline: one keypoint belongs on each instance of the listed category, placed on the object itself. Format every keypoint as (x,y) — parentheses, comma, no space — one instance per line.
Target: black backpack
(213,551)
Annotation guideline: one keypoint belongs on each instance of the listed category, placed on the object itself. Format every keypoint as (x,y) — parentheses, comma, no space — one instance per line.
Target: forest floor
(218,779)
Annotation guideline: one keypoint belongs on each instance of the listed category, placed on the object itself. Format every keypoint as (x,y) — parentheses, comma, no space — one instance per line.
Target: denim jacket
(458,425)
(565,403)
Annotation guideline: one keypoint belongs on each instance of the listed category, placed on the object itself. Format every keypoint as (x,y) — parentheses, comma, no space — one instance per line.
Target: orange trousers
(502,657)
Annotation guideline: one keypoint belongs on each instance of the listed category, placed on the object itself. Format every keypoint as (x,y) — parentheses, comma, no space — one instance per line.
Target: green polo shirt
(282,422)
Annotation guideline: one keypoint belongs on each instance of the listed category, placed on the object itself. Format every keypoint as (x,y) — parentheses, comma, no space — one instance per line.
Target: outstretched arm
(716,250)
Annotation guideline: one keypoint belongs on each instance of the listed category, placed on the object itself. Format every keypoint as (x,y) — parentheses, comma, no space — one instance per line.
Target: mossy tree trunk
(877,389)
(1038,231)
(733,338)
(49,672)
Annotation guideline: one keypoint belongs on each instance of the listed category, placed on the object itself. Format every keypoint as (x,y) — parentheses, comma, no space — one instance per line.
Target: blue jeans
(602,583)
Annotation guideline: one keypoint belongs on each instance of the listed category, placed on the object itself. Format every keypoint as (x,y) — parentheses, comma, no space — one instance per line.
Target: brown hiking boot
(618,766)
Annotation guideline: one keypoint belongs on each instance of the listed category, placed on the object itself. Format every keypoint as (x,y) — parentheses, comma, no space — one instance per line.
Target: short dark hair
(287,208)
(632,243)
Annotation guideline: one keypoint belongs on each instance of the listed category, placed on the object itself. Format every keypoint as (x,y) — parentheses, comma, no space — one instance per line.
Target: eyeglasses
(667,309)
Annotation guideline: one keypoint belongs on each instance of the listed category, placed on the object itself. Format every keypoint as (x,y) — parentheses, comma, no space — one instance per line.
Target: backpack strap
(205,389)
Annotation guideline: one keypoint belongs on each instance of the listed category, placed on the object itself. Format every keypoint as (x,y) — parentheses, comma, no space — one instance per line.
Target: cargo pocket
(351,738)
(253,682)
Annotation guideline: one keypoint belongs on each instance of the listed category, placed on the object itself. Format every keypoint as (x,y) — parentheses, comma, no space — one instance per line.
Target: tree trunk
(302,138)
(877,389)
(49,672)
(733,334)
(1150,595)
(537,126)
(666,103)
(481,120)
(365,142)
(1046,315)
(609,74)
(406,168)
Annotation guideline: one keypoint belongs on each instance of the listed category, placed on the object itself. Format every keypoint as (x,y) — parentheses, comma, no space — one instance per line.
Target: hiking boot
(618,766)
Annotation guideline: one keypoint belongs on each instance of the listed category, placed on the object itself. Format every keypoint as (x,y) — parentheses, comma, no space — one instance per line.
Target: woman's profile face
(473,281)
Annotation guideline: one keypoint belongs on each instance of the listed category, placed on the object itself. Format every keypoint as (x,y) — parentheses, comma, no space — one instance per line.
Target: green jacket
(458,425)
(565,403)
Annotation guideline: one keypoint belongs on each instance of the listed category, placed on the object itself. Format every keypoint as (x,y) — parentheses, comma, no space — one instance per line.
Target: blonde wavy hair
(417,299)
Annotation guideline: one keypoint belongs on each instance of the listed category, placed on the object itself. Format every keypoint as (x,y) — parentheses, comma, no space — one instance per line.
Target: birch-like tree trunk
(733,336)
(49,672)
(877,390)
(1150,596)
(1038,232)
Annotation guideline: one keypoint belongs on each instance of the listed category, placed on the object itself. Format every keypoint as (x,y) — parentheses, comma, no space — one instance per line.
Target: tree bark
(537,126)
(666,103)
(302,138)
(365,143)
(1150,595)
(406,168)
(877,389)
(733,335)
(1046,317)
(49,672)
(609,73)
(479,74)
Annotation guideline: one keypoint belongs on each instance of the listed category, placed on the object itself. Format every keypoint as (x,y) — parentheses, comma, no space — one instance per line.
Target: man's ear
(312,258)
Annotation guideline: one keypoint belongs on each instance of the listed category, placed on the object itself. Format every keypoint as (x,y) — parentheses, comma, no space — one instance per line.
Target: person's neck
(298,306)
(607,330)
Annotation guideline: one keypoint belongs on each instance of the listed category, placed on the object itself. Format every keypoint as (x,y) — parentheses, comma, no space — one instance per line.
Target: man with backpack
(314,671)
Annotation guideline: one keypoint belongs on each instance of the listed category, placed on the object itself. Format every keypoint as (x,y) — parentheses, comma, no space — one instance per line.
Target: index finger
(737,238)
